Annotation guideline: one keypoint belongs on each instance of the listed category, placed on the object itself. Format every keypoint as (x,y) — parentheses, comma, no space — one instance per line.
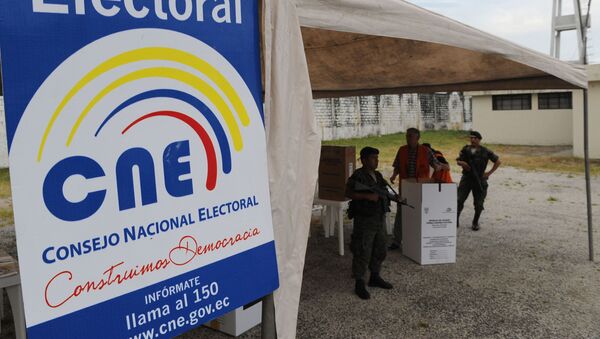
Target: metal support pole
(588,189)
(580,31)
(559,13)
(268,329)
(586,139)
(553,36)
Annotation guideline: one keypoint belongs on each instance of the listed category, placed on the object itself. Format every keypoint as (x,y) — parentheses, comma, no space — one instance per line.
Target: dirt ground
(524,274)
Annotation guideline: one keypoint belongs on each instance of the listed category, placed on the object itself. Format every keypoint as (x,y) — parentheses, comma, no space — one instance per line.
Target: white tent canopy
(390,46)
(352,47)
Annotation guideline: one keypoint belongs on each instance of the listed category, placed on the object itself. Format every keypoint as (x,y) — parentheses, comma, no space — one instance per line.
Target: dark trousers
(368,245)
(398,225)
(467,185)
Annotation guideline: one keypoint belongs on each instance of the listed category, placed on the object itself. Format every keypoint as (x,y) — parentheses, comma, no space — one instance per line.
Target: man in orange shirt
(412,161)
(442,176)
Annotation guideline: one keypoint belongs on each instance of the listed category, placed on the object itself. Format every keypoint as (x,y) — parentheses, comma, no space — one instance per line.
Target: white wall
(593,72)
(593,122)
(456,107)
(522,127)
(3,148)
(354,117)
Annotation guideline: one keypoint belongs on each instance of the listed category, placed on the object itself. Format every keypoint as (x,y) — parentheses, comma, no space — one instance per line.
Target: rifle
(474,175)
(383,193)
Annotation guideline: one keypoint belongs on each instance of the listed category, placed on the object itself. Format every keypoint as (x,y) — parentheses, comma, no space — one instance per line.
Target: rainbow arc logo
(192,80)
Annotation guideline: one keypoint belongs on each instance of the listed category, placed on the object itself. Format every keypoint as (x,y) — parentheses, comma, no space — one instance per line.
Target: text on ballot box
(429,229)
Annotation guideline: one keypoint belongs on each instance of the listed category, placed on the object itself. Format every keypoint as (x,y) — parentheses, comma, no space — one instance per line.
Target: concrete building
(543,117)
(523,118)
(593,117)
(355,117)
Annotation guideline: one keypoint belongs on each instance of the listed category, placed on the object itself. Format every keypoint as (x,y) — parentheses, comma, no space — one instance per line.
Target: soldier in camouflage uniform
(474,159)
(368,210)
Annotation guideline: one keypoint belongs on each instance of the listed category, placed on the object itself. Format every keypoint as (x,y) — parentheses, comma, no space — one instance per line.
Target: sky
(525,22)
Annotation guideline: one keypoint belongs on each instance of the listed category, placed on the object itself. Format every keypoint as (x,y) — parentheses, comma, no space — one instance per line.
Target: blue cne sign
(138,163)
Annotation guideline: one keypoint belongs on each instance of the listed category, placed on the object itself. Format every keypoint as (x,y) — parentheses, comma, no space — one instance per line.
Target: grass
(533,158)
(449,142)
(4,183)
(6,211)
(6,216)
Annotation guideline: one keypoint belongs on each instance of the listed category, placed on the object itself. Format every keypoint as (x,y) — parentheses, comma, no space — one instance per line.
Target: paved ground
(524,274)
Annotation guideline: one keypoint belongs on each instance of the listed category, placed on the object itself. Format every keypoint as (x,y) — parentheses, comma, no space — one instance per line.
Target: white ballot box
(429,229)
(239,320)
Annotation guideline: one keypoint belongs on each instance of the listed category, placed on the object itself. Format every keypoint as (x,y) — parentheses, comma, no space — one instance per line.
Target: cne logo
(213,110)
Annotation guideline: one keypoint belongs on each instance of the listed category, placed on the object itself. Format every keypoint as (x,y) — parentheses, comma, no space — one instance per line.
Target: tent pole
(268,318)
(586,151)
(588,189)
(268,303)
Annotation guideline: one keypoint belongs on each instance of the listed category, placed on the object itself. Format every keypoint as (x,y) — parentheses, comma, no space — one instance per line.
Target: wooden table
(11,281)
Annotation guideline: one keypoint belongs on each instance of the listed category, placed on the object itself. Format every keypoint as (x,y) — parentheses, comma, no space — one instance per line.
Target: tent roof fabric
(356,47)
(364,46)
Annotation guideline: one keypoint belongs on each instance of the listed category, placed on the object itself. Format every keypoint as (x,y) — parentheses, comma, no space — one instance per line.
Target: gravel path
(524,274)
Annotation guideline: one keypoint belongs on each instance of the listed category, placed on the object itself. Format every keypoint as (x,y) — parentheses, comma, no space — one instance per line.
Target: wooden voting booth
(336,165)
(429,229)
(11,282)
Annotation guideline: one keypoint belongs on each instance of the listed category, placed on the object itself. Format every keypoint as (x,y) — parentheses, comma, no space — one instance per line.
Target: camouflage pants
(368,245)
(398,225)
(468,185)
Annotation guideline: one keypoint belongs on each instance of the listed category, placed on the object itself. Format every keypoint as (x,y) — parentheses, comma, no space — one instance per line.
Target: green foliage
(449,142)
(4,183)
(533,158)
(6,211)
(6,216)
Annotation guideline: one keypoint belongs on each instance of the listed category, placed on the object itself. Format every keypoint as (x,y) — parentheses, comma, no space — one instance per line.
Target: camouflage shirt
(365,208)
(477,158)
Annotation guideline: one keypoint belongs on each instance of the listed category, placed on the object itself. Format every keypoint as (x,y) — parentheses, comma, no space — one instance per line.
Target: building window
(560,100)
(511,102)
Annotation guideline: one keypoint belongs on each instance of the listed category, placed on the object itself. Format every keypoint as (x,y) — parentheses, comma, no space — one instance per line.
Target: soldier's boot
(475,224)
(394,246)
(360,290)
(377,281)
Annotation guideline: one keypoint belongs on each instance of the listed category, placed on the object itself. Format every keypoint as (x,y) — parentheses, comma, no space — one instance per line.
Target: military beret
(476,135)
